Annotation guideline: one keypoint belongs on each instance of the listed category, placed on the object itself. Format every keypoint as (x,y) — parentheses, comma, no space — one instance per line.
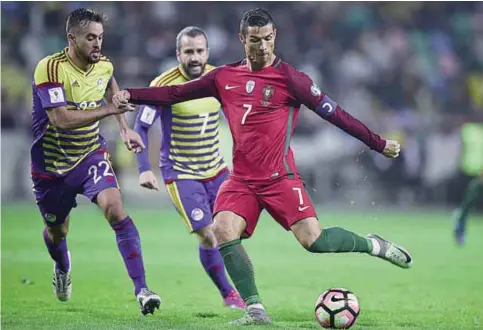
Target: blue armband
(326,107)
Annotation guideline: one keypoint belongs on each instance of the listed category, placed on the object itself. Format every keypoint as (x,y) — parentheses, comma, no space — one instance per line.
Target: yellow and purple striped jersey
(59,82)
(190,147)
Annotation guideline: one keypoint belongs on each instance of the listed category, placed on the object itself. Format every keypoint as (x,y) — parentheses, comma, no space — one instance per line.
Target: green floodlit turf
(444,290)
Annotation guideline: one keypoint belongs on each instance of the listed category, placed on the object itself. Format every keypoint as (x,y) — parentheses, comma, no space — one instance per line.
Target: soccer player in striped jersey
(68,155)
(191,164)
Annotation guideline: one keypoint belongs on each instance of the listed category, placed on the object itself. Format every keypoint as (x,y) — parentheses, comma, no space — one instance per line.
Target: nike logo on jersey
(228,87)
(303,208)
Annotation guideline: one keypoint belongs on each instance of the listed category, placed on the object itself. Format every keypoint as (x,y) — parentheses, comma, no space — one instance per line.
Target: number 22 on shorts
(301,199)
(97,175)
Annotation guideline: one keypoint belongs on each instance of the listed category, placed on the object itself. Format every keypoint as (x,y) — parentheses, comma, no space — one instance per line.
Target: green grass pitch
(443,290)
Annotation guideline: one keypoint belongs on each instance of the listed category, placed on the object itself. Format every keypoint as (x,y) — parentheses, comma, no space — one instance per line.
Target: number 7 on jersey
(249,108)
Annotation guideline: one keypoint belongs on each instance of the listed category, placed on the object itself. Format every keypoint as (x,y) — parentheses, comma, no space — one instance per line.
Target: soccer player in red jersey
(261,97)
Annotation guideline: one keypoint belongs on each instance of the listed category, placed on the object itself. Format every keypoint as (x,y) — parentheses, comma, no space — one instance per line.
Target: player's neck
(257,66)
(77,61)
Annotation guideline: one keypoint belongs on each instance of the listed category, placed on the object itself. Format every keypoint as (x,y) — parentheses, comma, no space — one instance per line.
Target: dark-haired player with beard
(191,164)
(69,156)
(261,97)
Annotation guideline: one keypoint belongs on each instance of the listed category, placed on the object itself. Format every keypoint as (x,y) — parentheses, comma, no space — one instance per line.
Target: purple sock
(213,263)
(129,245)
(58,252)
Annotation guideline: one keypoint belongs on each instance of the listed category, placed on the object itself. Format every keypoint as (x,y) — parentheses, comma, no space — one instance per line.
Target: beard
(194,72)
(93,60)
(87,57)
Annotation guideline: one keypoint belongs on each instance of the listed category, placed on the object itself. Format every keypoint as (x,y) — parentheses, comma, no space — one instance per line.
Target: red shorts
(286,200)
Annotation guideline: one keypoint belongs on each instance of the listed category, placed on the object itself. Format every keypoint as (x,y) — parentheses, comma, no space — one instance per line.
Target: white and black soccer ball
(337,308)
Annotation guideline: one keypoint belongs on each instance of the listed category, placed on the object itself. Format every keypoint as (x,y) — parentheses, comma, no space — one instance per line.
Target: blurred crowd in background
(411,71)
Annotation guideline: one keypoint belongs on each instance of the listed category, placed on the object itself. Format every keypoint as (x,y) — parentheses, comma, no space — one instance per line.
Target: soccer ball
(337,309)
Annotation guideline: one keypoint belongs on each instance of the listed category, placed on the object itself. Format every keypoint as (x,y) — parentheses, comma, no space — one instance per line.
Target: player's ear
(177,55)
(71,37)
(242,37)
(274,33)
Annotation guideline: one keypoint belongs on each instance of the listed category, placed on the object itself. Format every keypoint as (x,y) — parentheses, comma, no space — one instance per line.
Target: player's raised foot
(389,251)
(148,301)
(253,315)
(459,227)
(233,300)
(61,282)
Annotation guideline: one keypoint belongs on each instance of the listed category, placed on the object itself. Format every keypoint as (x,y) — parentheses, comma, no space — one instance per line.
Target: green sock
(471,193)
(337,240)
(240,269)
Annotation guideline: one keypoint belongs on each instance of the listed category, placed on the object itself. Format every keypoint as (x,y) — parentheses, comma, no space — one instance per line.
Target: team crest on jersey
(250,86)
(267,93)
(197,214)
(100,83)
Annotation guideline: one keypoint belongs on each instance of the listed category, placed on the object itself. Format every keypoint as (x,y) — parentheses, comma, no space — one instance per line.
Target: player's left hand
(392,149)
(132,140)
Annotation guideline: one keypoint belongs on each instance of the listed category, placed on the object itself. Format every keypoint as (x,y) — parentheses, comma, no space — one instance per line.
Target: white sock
(257,306)
(376,247)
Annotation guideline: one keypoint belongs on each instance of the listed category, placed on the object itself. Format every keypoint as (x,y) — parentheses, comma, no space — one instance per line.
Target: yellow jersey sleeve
(49,79)
(48,70)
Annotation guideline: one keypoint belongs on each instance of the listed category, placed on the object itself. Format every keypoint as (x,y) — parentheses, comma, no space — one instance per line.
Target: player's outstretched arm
(307,93)
(342,119)
(203,87)
(62,118)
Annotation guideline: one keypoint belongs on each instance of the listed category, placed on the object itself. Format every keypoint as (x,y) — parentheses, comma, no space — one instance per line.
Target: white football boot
(389,251)
(148,301)
(61,282)
(254,314)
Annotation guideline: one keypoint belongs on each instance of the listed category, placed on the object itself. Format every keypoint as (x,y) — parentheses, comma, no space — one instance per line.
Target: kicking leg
(460,215)
(129,244)
(338,240)
(228,229)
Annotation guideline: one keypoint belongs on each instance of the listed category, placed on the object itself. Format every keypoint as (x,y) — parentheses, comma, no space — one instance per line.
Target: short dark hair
(255,17)
(190,31)
(81,17)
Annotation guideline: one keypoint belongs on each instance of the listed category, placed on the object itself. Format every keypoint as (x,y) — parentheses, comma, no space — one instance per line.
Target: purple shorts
(57,196)
(194,200)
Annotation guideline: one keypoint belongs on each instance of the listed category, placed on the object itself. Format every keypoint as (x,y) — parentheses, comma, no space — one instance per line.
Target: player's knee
(307,242)
(307,231)
(206,237)
(224,229)
(114,211)
(57,233)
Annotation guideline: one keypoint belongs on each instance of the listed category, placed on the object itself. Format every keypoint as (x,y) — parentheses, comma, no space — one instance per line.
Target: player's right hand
(392,149)
(147,179)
